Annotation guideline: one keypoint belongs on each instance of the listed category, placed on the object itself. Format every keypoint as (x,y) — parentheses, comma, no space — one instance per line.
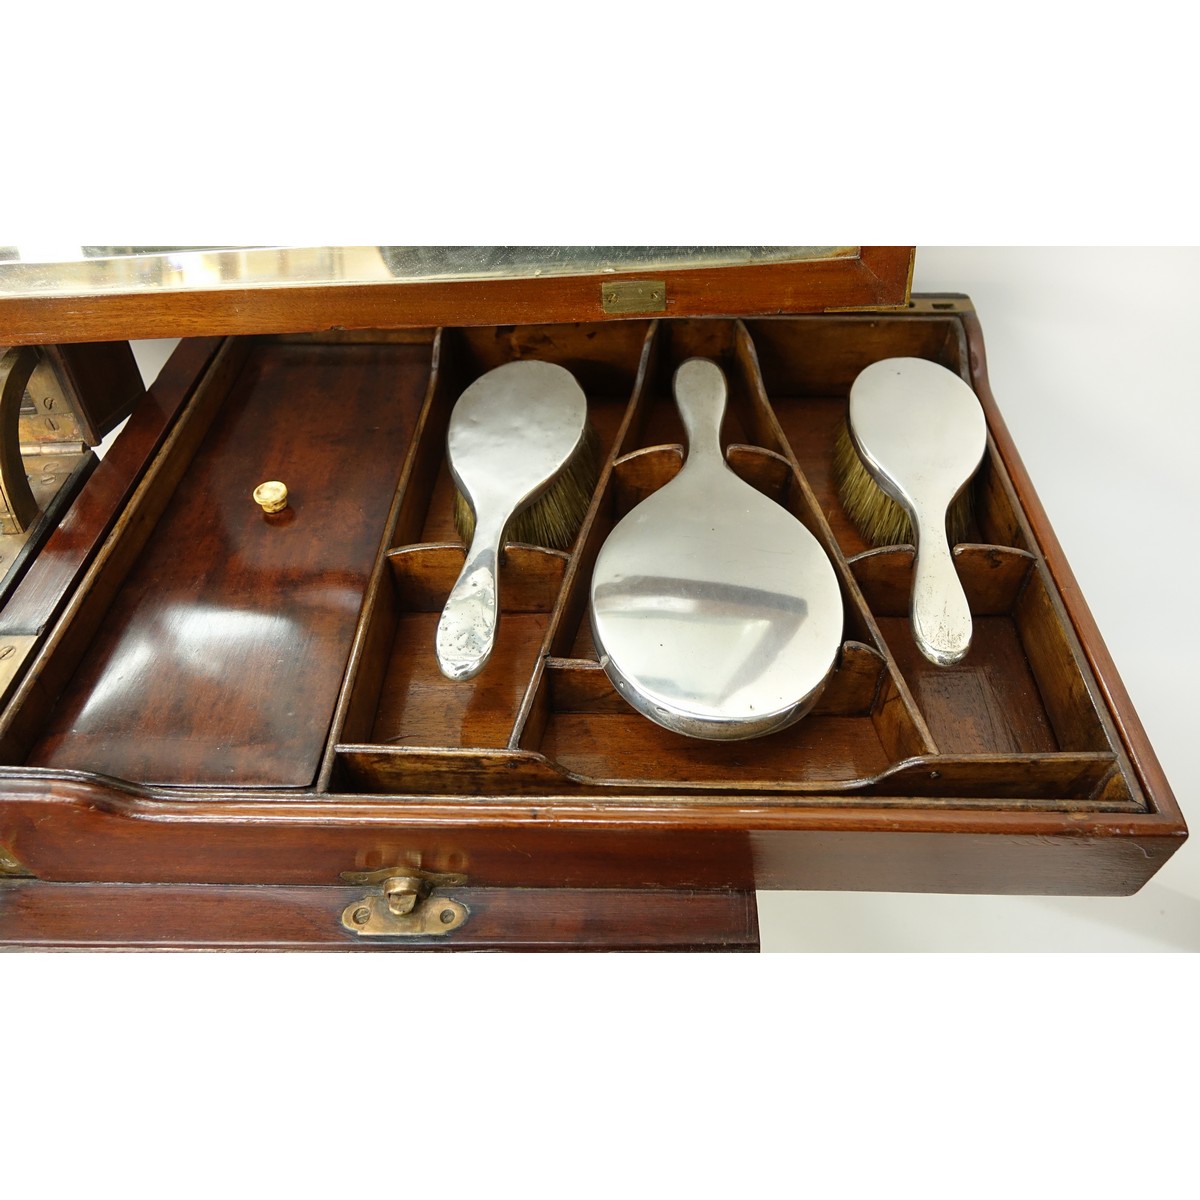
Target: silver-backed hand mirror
(715,612)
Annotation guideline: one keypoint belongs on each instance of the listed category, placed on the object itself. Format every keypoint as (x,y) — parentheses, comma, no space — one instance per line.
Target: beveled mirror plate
(91,270)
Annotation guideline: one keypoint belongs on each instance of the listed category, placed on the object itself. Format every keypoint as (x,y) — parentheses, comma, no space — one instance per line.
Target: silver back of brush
(511,432)
(921,433)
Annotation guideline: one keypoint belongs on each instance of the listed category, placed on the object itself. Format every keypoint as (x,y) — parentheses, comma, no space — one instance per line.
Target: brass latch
(404,906)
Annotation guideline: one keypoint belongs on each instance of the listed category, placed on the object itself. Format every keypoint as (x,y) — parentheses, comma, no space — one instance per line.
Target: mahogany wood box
(222,728)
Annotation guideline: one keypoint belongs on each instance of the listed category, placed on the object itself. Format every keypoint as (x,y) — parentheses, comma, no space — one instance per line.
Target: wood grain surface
(987,704)
(41,916)
(1025,771)
(222,654)
(877,276)
(67,830)
(75,539)
(103,381)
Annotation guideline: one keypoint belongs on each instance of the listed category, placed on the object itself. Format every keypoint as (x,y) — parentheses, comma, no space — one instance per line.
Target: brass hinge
(404,906)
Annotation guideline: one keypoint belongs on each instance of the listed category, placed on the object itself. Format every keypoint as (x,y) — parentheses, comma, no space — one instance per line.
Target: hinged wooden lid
(126,292)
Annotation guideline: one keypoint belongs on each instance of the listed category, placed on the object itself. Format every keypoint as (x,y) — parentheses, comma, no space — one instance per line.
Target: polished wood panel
(222,654)
(821,356)
(877,276)
(42,916)
(1065,690)
(1118,706)
(64,830)
(529,576)
(992,578)
(581,686)
(61,650)
(628,747)
(102,380)
(1022,862)
(988,703)
(419,706)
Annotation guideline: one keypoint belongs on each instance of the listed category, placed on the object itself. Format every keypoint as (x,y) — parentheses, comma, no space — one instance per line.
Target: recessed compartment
(864,721)
(210,642)
(199,695)
(1016,718)
(328,679)
(854,733)
(417,704)
(808,366)
(1018,689)
(603,358)
(402,721)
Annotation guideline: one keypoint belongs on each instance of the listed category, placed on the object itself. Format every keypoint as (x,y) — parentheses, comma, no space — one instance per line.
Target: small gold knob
(272,495)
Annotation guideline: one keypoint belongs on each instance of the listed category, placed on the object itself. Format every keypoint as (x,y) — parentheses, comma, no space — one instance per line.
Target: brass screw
(447,916)
(361,915)
(7,652)
(272,496)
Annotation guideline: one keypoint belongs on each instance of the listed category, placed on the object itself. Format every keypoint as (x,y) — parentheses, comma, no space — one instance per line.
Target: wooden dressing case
(222,728)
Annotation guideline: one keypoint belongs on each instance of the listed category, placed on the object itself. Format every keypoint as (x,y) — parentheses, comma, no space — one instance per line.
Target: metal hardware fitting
(41,449)
(11,867)
(18,508)
(633,296)
(14,650)
(403,907)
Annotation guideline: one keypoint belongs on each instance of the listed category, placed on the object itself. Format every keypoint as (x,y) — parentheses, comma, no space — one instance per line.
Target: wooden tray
(214,696)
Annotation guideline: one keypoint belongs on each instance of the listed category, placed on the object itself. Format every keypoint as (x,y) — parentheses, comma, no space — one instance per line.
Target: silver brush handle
(941,616)
(467,629)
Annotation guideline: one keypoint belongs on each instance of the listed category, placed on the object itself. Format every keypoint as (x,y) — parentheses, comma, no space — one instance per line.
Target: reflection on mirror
(43,270)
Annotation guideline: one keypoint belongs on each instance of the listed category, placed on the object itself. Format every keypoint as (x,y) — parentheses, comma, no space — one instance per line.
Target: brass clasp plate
(404,906)
(628,296)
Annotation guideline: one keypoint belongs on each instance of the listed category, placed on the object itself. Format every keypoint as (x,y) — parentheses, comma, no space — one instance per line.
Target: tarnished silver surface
(94,270)
(510,434)
(921,433)
(715,612)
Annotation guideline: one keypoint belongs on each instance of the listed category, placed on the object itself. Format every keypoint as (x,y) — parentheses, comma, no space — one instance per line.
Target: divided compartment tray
(300,650)
(1018,723)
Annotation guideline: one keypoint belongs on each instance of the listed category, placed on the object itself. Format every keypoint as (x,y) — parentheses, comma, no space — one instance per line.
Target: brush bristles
(876,516)
(554,518)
